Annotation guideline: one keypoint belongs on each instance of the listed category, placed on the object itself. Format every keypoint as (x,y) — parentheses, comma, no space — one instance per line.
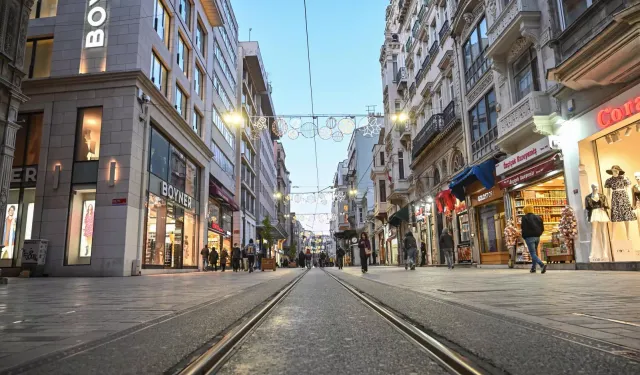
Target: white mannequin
(615,173)
(597,230)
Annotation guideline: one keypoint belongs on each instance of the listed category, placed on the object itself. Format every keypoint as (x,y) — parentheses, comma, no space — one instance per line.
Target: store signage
(119,201)
(176,195)
(96,19)
(487,196)
(529,173)
(529,154)
(24,174)
(610,116)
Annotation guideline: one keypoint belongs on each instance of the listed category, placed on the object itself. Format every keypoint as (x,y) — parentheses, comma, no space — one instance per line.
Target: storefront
(534,177)
(490,222)
(464,254)
(220,218)
(601,161)
(173,208)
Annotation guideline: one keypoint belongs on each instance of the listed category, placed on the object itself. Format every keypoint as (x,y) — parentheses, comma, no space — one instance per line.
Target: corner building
(123,149)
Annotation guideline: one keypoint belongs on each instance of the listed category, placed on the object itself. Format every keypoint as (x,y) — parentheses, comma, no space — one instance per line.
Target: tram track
(214,358)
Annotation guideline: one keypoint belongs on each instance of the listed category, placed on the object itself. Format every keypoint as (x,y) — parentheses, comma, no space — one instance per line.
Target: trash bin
(34,256)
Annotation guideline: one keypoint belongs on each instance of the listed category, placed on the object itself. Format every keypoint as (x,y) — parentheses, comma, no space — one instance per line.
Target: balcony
(407,45)
(534,114)
(435,47)
(412,90)
(399,190)
(380,210)
(416,28)
(401,78)
(444,31)
(431,129)
(519,18)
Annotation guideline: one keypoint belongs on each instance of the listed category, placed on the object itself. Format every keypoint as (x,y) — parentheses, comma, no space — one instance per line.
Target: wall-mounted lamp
(56,175)
(112,173)
(627,131)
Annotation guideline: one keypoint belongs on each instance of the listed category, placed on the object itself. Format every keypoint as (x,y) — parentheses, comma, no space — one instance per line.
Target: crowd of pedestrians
(242,258)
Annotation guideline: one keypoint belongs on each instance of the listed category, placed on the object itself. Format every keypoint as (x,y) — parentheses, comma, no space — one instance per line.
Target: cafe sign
(180,197)
(528,154)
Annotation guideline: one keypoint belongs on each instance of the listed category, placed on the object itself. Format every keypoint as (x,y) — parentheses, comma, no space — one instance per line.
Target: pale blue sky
(345,38)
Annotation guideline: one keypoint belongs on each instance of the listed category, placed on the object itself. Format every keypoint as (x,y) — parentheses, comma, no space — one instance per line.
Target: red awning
(537,170)
(219,192)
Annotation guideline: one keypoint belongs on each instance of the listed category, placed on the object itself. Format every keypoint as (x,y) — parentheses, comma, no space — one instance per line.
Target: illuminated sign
(609,116)
(176,195)
(96,18)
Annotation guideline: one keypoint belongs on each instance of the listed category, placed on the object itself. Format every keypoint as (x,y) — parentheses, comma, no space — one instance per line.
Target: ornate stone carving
(480,87)
(22,38)
(504,20)
(10,37)
(519,46)
(545,38)
(491,8)
(515,117)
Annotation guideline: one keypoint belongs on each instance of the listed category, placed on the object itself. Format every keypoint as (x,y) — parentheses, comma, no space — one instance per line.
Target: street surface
(563,322)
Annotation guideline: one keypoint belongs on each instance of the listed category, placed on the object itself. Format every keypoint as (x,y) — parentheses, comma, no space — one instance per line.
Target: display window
(81,220)
(548,197)
(88,134)
(610,183)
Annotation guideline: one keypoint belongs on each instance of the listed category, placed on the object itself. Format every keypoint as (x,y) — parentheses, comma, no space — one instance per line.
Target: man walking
(446,245)
(250,250)
(213,259)
(410,248)
(205,257)
(236,257)
(532,227)
(340,254)
(301,259)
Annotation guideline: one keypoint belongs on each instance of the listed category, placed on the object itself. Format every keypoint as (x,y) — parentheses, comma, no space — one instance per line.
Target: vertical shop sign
(94,42)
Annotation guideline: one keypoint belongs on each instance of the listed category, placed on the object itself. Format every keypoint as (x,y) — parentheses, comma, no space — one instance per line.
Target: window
(225,164)
(457,162)
(401,164)
(159,156)
(201,39)
(197,121)
(184,9)
(228,73)
(227,42)
(572,9)
(227,14)
(177,169)
(475,61)
(436,177)
(88,134)
(484,120)
(381,158)
(81,224)
(159,74)
(198,82)
(161,22)
(222,127)
(183,55)
(37,55)
(28,139)
(43,9)
(181,102)
(394,60)
(383,190)
(525,74)
(444,167)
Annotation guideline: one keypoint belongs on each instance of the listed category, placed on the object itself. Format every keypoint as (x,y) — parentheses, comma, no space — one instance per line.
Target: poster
(86,238)
(9,235)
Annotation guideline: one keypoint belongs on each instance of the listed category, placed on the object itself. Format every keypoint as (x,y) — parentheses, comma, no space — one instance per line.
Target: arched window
(444,167)
(436,177)
(457,161)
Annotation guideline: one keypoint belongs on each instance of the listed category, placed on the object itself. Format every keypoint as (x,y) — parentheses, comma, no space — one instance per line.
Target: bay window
(475,61)
(484,125)
(571,10)
(525,74)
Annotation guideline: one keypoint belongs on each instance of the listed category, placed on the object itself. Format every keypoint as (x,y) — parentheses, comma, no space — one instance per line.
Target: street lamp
(233,118)
(277,195)
(353,192)
(399,117)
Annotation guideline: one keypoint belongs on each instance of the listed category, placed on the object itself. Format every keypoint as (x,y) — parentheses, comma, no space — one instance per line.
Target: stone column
(14,19)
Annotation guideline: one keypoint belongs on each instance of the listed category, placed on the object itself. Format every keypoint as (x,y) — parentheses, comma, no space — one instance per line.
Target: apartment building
(340,228)
(380,182)
(283,205)
(124,131)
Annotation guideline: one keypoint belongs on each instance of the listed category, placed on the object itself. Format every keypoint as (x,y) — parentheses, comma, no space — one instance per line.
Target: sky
(345,37)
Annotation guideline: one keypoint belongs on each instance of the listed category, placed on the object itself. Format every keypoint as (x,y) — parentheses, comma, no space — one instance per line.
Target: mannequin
(596,208)
(635,193)
(617,186)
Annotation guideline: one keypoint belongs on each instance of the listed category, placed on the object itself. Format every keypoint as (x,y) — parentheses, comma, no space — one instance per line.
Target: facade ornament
(519,46)
(9,37)
(479,88)
(491,8)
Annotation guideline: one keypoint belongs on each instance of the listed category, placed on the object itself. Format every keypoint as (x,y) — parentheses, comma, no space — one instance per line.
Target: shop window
(159,159)
(525,74)
(198,82)
(181,102)
(18,222)
(190,242)
(196,124)
(44,9)
(161,22)
(178,164)
(81,221)
(201,38)
(159,74)
(474,49)
(183,55)
(88,134)
(572,9)
(28,139)
(184,10)
(484,125)
(37,58)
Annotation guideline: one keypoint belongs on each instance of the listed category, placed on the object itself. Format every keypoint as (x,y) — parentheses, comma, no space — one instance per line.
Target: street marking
(610,320)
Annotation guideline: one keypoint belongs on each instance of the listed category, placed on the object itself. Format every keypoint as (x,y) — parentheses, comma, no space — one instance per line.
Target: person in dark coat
(340,253)
(223,259)
(213,259)
(423,254)
(410,248)
(323,258)
(532,227)
(365,250)
(236,257)
(301,259)
(307,258)
(446,245)
(205,257)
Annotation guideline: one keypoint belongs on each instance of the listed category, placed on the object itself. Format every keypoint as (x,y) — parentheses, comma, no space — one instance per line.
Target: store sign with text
(94,41)
(610,116)
(530,173)
(27,175)
(529,154)
(486,196)
(178,196)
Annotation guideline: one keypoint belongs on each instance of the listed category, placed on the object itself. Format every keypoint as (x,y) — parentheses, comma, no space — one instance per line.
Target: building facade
(124,132)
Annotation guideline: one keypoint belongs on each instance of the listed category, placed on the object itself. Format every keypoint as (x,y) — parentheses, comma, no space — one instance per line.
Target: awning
(400,216)
(219,192)
(445,200)
(537,170)
(482,172)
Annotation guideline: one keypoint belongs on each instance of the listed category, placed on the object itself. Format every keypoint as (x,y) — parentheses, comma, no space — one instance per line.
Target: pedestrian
(410,248)
(244,258)
(223,259)
(205,257)
(446,245)
(213,259)
(258,258)
(323,257)
(423,253)
(236,257)
(308,258)
(301,259)
(250,250)
(532,227)
(365,251)
(340,254)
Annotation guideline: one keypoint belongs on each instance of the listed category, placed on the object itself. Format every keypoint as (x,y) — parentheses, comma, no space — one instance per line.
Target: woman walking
(223,259)
(532,227)
(446,244)
(365,250)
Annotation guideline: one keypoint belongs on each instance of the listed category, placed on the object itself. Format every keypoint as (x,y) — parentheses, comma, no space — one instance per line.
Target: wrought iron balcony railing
(434,48)
(407,45)
(444,30)
(401,75)
(416,28)
(449,113)
(431,129)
